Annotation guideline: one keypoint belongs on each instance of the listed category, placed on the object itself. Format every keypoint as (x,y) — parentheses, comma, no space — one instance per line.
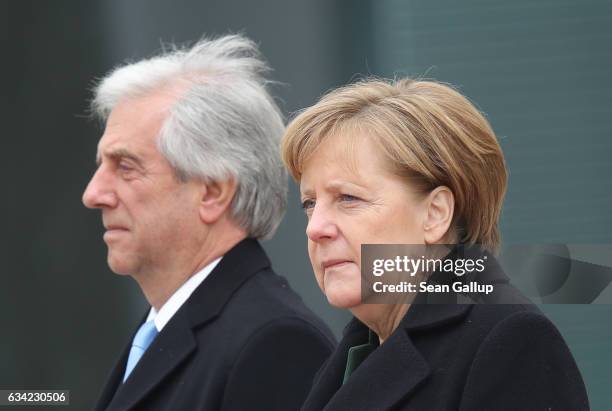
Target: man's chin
(119,266)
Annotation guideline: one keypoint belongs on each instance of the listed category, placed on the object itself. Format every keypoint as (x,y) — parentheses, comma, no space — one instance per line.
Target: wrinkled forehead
(350,147)
(344,160)
(133,127)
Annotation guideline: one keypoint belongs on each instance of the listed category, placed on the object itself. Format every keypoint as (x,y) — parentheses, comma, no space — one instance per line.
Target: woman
(413,162)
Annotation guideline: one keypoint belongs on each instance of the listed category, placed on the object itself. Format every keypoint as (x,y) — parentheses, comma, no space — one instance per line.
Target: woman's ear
(215,199)
(440,205)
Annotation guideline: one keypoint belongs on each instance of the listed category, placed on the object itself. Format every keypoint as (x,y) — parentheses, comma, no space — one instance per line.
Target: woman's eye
(308,204)
(347,198)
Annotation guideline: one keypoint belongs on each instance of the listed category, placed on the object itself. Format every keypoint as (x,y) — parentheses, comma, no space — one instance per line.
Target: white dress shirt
(179,297)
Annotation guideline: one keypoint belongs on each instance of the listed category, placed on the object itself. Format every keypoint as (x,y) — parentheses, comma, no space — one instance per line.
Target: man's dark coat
(242,341)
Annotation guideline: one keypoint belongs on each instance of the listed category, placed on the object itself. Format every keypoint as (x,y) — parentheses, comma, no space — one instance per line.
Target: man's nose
(321,225)
(99,192)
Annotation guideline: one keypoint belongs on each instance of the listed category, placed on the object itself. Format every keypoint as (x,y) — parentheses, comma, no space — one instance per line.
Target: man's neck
(159,283)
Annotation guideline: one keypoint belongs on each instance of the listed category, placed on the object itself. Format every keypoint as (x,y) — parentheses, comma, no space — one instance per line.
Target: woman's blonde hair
(430,134)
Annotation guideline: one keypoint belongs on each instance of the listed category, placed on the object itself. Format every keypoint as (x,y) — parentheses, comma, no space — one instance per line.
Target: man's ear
(440,205)
(215,199)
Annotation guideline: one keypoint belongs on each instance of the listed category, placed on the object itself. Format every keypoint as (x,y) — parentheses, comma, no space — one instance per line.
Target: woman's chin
(343,300)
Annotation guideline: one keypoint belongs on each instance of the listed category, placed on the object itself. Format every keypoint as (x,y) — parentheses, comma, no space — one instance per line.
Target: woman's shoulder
(509,319)
(520,349)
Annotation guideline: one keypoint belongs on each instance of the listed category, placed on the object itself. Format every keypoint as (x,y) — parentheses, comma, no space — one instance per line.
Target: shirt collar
(179,297)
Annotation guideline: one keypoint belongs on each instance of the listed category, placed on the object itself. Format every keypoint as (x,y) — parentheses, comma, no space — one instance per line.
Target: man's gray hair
(224,123)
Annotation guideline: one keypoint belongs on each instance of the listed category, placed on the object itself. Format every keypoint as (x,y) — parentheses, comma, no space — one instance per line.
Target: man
(188,178)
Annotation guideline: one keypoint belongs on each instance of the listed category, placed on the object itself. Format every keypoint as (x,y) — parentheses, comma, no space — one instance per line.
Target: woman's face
(350,199)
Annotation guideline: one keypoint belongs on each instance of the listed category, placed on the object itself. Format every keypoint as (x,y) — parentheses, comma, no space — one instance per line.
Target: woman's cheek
(316,271)
(320,280)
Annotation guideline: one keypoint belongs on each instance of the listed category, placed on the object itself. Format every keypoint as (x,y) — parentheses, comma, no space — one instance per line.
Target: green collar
(358,353)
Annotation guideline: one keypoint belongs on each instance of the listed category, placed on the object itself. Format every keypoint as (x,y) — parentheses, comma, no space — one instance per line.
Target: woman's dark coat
(457,357)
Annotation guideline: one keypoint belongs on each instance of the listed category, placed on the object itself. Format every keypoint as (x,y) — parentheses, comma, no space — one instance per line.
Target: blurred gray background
(540,70)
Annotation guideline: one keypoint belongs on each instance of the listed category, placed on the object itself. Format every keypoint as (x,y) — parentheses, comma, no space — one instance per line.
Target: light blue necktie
(145,335)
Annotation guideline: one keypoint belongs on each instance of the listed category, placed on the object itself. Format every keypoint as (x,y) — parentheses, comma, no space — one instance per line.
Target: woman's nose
(321,225)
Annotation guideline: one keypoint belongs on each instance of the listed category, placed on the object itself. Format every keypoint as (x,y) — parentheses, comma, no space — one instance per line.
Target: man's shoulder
(267,298)
(261,305)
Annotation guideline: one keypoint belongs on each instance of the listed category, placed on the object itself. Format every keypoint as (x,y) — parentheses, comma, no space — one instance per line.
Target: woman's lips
(335,263)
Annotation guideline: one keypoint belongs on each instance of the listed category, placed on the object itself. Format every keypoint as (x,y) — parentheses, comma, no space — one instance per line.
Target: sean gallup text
(458,287)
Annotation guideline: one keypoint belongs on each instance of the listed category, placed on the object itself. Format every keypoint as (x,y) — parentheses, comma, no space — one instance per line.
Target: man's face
(149,216)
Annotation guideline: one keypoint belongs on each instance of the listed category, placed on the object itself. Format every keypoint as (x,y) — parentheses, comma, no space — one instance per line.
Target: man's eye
(124,167)
(308,204)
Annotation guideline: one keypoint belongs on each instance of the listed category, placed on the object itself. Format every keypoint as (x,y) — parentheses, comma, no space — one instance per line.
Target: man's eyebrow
(118,154)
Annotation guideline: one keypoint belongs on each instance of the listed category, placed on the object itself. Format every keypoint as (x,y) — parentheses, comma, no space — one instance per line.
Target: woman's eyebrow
(334,186)
(306,192)
(339,185)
